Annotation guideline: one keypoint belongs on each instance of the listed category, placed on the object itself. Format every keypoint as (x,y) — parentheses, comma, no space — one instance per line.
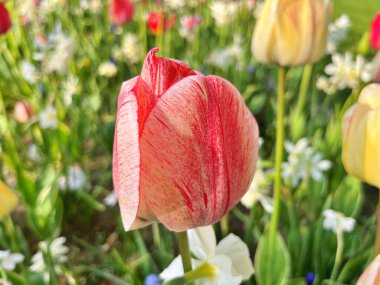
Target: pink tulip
(185,147)
(5,19)
(372,274)
(375,32)
(121,11)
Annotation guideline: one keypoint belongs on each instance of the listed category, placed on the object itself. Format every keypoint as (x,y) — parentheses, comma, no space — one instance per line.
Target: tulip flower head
(121,11)
(158,22)
(375,32)
(5,20)
(371,275)
(291,32)
(361,149)
(185,147)
(8,201)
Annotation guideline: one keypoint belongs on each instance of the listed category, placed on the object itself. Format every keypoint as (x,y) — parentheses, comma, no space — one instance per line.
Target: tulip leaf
(348,198)
(272,261)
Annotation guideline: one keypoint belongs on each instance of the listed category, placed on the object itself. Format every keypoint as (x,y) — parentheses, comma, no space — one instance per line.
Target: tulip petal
(8,200)
(372,274)
(198,152)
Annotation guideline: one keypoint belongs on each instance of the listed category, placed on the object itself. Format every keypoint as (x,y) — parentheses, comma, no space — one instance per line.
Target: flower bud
(22,112)
(291,32)
(361,149)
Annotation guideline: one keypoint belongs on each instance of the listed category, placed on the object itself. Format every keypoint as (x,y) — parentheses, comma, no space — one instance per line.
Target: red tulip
(375,32)
(121,11)
(158,21)
(5,20)
(185,147)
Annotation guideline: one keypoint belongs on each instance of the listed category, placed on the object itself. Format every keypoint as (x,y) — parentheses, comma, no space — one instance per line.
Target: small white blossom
(174,4)
(76,178)
(34,153)
(229,56)
(303,162)
(8,260)
(110,200)
(338,31)
(48,118)
(58,254)
(337,222)
(29,72)
(107,69)
(224,12)
(324,84)
(70,87)
(230,257)
(131,48)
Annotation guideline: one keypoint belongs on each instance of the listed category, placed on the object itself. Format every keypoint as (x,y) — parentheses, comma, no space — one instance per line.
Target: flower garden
(189,142)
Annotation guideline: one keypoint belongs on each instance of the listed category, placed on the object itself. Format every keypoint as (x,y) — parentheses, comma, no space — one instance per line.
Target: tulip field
(200,142)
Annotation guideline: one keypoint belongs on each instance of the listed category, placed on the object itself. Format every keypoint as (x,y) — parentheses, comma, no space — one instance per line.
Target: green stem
(224,225)
(377,241)
(307,72)
(184,250)
(338,257)
(279,151)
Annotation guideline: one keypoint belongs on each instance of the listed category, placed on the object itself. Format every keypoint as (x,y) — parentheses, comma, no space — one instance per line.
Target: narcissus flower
(371,275)
(375,32)
(291,32)
(185,147)
(8,200)
(5,20)
(121,11)
(361,150)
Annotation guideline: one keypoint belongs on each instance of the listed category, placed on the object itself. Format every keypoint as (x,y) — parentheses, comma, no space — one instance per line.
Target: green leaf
(272,261)
(348,198)
(298,281)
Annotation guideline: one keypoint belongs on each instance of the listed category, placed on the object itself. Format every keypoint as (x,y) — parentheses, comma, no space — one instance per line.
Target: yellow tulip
(361,138)
(8,200)
(291,32)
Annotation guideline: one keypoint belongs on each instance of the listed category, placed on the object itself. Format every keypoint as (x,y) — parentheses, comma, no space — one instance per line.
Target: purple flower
(152,279)
(310,278)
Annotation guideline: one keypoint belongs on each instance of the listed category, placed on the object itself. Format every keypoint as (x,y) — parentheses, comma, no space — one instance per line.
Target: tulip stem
(279,151)
(377,242)
(306,76)
(184,250)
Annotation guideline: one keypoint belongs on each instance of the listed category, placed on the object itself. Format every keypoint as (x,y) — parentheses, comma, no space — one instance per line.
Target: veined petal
(8,200)
(202,242)
(199,150)
(233,247)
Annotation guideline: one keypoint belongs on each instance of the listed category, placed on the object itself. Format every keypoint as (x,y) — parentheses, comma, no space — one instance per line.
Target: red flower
(375,32)
(121,11)
(185,147)
(158,21)
(5,20)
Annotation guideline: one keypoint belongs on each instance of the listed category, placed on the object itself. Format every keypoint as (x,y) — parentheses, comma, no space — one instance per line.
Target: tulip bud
(5,20)
(361,136)
(22,112)
(291,32)
(185,147)
(372,274)
(8,200)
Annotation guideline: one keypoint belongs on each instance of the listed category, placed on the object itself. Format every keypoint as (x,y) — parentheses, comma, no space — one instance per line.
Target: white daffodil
(337,222)
(303,162)
(258,191)
(8,260)
(58,254)
(230,258)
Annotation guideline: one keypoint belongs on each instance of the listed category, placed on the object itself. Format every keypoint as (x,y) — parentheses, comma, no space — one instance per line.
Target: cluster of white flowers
(107,69)
(303,162)
(29,72)
(338,31)
(70,87)
(130,49)
(229,56)
(75,179)
(230,258)
(48,118)
(8,260)
(344,73)
(224,12)
(337,222)
(57,251)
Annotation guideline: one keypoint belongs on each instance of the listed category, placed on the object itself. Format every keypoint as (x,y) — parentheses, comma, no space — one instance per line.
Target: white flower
(174,4)
(76,178)
(70,87)
(34,153)
(224,12)
(258,191)
(107,69)
(110,200)
(230,258)
(131,48)
(57,252)
(48,118)
(324,84)
(229,56)
(29,72)
(303,162)
(338,31)
(8,260)
(337,222)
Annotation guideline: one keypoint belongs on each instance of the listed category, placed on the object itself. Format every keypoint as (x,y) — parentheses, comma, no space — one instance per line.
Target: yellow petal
(8,200)
(372,149)
(370,96)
